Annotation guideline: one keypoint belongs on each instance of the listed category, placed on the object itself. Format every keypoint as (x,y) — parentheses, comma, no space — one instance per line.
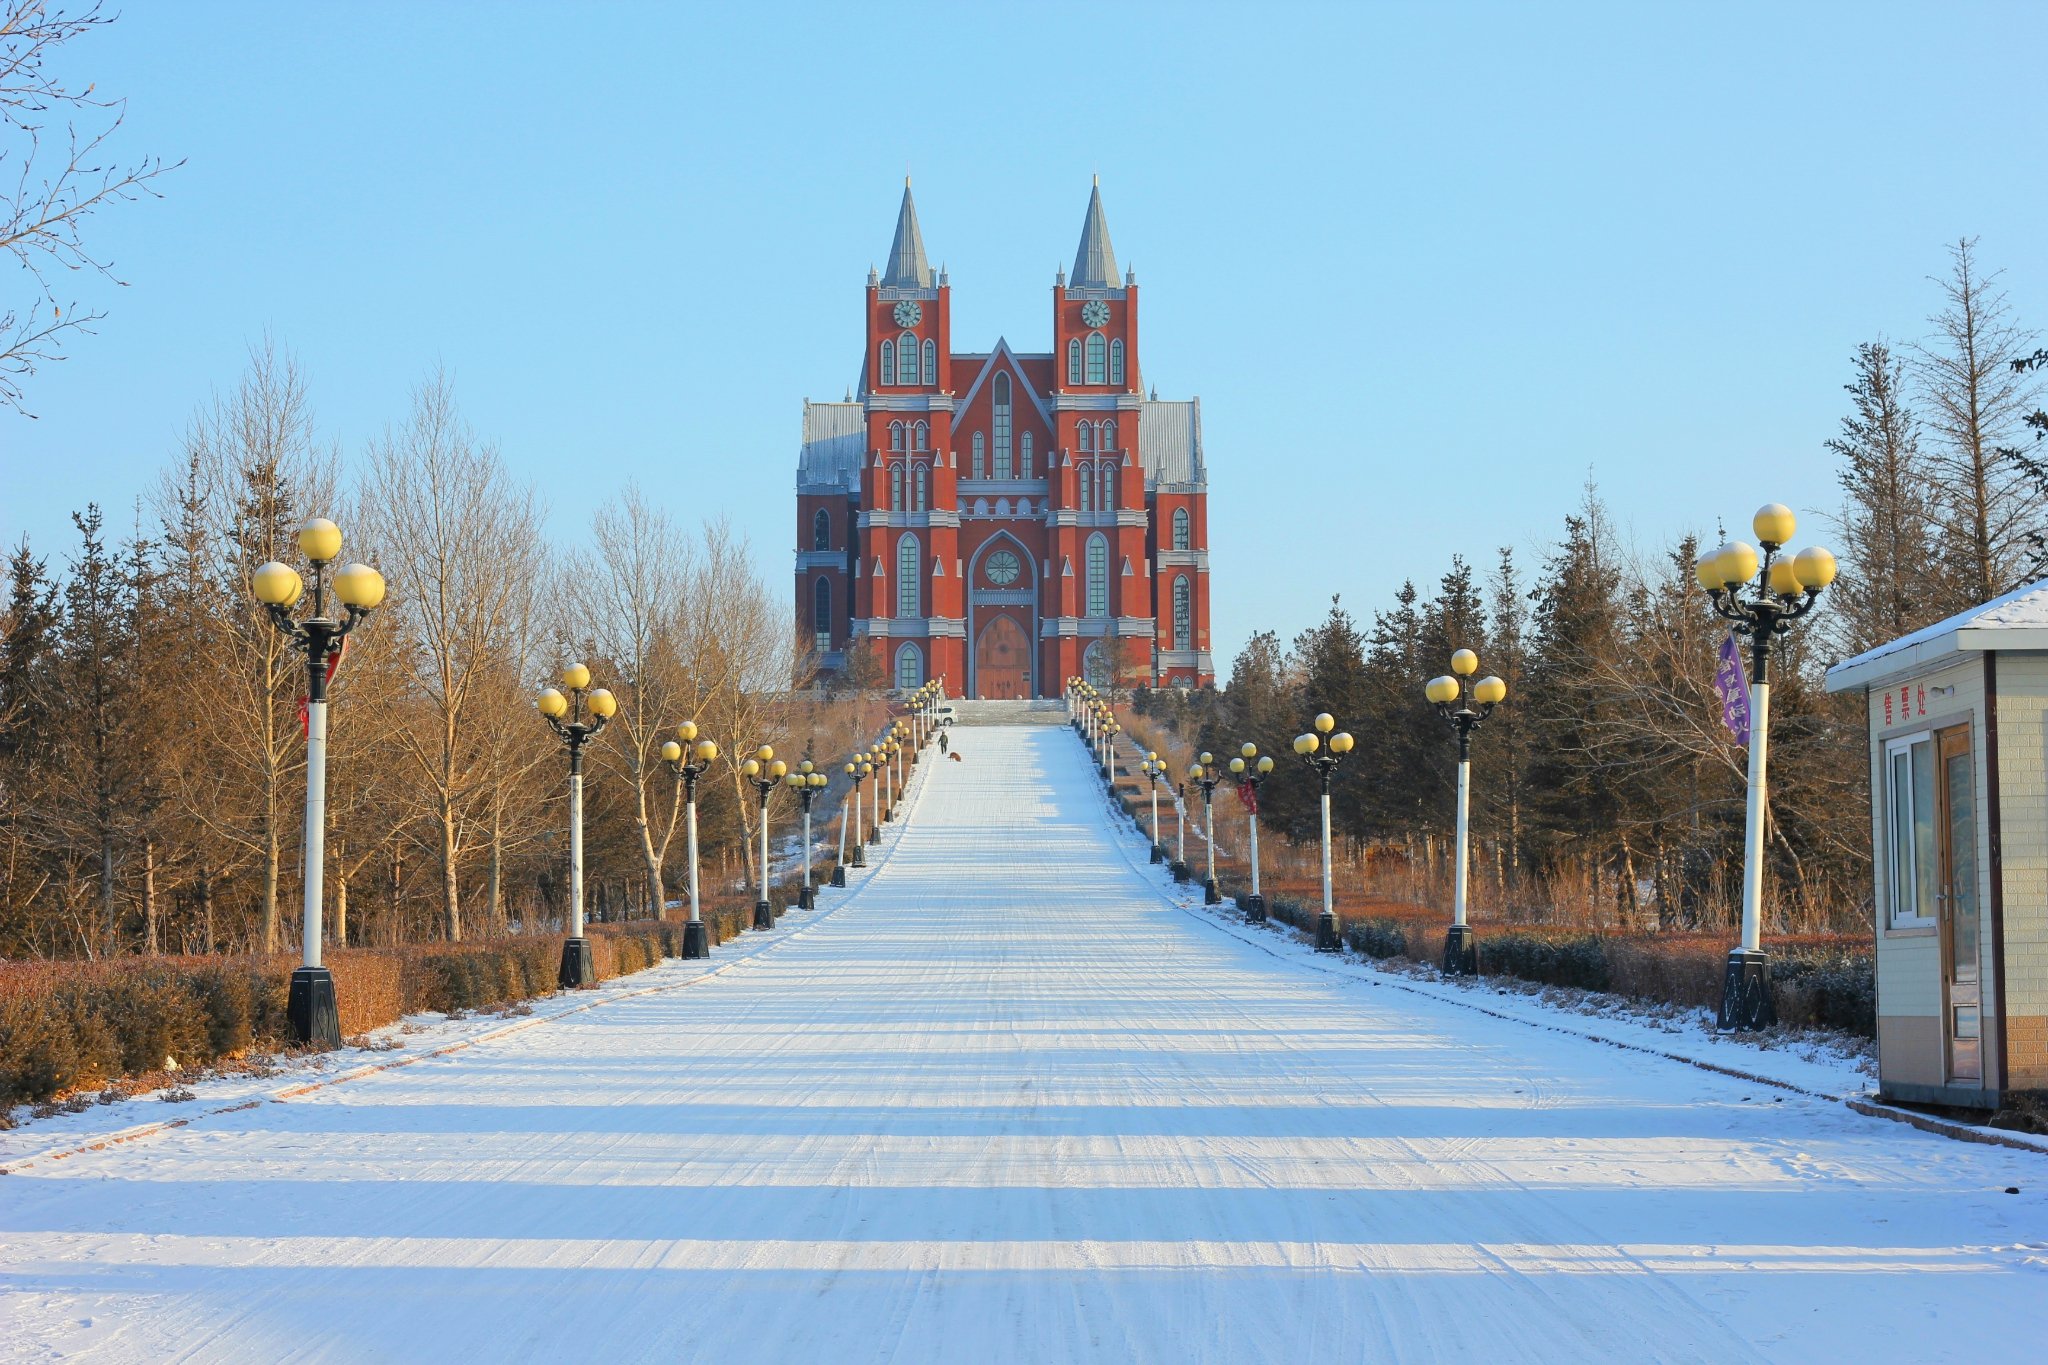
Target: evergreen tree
(1886,521)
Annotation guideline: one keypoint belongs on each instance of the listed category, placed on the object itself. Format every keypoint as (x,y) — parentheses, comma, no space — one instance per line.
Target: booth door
(1002,664)
(1956,902)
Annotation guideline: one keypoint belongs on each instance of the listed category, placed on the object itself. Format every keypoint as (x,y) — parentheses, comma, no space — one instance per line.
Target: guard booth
(1958,727)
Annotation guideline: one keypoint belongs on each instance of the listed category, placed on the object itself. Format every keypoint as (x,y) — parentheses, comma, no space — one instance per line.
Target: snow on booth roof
(2018,620)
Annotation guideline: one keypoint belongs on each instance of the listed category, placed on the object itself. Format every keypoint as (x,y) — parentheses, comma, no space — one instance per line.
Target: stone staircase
(1041,711)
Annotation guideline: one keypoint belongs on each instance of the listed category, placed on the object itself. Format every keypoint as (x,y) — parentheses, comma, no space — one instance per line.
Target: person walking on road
(942,741)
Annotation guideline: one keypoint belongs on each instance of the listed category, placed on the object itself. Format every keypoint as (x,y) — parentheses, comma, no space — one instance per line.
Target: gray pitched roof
(1095,260)
(907,263)
(1170,442)
(835,434)
(2018,620)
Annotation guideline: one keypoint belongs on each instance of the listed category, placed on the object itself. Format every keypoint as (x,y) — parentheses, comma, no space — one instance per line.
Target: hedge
(66,1025)
(1821,979)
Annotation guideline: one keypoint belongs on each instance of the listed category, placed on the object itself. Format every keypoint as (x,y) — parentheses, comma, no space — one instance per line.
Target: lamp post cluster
(858,770)
(1092,715)
(807,782)
(310,1009)
(576,717)
(1463,704)
(689,756)
(1760,596)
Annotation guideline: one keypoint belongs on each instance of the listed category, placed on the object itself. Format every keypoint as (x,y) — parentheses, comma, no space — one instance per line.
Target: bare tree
(462,544)
(52,180)
(629,591)
(1975,398)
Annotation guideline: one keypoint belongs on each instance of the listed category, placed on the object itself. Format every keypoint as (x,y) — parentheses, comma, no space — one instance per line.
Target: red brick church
(1005,519)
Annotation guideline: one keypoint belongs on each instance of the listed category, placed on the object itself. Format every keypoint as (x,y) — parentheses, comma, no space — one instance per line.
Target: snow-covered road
(1010,1103)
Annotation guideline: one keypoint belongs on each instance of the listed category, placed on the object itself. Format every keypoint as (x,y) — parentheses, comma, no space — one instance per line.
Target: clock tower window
(931,362)
(888,362)
(1098,359)
(1116,362)
(1073,360)
(906,359)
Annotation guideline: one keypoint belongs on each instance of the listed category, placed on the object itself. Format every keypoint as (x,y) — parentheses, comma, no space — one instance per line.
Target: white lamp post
(688,764)
(565,716)
(1323,759)
(1463,704)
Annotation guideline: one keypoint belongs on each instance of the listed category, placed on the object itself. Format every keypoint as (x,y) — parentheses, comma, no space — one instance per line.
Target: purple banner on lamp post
(1734,690)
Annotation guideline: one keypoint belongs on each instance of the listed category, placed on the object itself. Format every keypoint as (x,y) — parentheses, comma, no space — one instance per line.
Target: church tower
(1003,519)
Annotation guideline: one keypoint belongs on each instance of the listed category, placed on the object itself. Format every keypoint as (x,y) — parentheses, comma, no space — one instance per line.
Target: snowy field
(1008,1101)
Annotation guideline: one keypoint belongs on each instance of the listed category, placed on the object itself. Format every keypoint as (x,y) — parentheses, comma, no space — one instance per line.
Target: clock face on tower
(907,313)
(1095,312)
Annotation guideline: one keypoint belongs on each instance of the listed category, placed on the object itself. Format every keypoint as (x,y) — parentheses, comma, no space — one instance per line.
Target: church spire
(907,263)
(1095,260)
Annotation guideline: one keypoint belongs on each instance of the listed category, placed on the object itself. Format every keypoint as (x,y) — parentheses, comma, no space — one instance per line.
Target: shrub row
(65,1025)
(1820,979)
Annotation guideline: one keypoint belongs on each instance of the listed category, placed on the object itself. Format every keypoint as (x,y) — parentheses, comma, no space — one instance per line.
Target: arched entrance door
(1002,662)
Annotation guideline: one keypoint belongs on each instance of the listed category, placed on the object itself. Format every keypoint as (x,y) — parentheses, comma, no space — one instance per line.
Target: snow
(1009,1099)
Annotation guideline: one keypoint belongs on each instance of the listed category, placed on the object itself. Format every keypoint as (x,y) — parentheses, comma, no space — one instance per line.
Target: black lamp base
(764,915)
(578,972)
(1254,909)
(860,856)
(1210,894)
(1179,870)
(1461,951)
(310,1010)
(1746,1001)
(1158,854)
(696,941)
(1329,933)
(839,873)
(807,899)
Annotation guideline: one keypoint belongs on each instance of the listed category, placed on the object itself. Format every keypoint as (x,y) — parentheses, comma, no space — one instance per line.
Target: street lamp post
(689,764)
(1463,704)
(1205,775)
(1780,588)
(886,798)
(1323,759)
(1154,771)
(1250,770)
(1180,832)
(1110,730)
(849,812)
(310,1009)
(565,716)
(766,772)
(807,782)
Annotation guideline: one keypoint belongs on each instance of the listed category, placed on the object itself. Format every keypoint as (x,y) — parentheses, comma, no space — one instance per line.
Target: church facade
(1004,519)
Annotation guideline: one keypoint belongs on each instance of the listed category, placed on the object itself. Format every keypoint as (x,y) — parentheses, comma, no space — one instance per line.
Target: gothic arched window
(906,579)
(821,531)
(920,488)
(821,611)
(1180,528)
(1024,456)
(931,362)
(1001,403)
(895,435)
(1183,614)
(909,668)
(888,362)
(1098,359)
(896,488)
(1105,439)
(1074,360)
(1085,434)
(921,436)
(1108,485)
(1095,664)
(1116,362)
(1098,576)
(906,359)
(980,456)
(1087,482)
